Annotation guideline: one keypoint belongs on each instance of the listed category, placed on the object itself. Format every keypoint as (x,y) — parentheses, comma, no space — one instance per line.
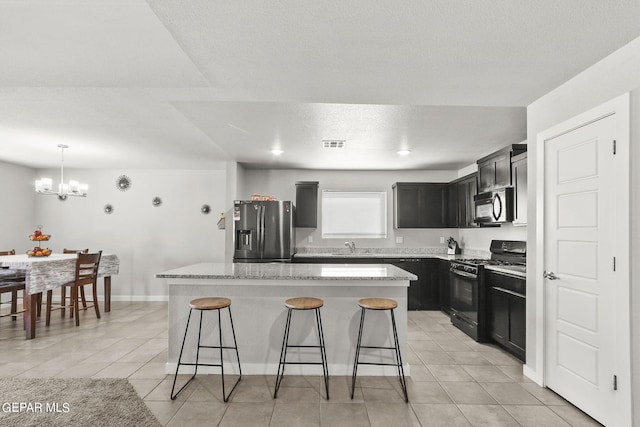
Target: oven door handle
(464,274)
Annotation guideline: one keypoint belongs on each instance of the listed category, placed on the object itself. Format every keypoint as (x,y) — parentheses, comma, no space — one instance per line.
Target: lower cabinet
(507,312)
(444,285)
(424,293)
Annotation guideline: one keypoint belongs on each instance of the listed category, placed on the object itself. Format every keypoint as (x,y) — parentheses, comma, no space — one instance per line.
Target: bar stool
(303,303)
(379,304)
(206,304)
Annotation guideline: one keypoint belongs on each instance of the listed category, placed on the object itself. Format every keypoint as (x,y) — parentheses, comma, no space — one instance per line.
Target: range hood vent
(333,143)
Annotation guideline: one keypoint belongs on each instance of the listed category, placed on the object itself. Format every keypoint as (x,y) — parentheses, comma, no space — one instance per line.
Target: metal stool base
(225,396)
(395,348)
(286,345)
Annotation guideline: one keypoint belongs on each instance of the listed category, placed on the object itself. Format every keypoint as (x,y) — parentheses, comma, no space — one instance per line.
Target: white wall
(17,206)
(616,74)
(281,184)
(147,239)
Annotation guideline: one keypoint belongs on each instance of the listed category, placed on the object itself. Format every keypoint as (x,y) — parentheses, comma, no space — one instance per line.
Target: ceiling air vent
(333,143)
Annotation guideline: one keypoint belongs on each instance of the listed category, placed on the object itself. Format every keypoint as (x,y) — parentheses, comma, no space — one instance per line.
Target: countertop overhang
(286,271)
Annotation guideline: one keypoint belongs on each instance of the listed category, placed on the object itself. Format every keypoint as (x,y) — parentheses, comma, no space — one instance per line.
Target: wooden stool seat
(378,303)
(304,303)
(210,303)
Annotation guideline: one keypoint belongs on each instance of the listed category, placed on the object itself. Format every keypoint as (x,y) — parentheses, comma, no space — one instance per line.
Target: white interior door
(585,360)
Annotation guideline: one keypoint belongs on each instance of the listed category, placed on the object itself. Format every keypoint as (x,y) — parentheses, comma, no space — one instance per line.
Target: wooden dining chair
(11,281)
(63,289)
(86,274)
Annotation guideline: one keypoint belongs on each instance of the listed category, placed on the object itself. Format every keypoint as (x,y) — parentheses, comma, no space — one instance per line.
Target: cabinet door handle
(549,275)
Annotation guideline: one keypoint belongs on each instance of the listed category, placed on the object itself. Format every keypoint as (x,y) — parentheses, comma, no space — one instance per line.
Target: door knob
(549,275)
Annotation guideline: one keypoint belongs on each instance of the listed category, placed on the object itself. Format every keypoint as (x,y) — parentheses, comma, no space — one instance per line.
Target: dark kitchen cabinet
(519,180)
(507,312)
(423,294)
(460,207)
(420,205)
(452,204)
(467,188)
(306,213)
(443,285)
(494,170)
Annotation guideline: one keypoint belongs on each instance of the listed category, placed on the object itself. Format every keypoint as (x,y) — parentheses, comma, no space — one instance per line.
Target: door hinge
(614,263)
(614,146)
(615,382)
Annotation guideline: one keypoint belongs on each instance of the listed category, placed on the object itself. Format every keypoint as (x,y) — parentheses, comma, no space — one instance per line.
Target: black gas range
(468,307)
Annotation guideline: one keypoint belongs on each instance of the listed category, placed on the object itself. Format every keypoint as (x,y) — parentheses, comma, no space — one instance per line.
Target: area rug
(72,402)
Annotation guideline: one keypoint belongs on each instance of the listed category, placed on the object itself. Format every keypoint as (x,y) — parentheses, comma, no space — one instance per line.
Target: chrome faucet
(352,246)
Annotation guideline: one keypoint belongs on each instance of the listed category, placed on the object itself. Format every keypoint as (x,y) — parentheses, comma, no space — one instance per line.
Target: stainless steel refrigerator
(263,231)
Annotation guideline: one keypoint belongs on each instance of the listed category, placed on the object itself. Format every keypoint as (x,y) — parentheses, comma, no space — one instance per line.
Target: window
(354,214)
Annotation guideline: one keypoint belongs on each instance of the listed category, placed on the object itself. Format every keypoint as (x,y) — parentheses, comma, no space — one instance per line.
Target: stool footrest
(201,364)
(302,363)
(217,347)
(303,346)
(378,364)
(379,348)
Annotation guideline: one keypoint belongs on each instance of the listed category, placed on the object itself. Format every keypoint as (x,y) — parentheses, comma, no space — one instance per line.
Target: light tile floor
(455,381)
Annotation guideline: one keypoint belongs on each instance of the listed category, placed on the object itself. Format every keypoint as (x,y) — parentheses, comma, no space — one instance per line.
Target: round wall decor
(123,183)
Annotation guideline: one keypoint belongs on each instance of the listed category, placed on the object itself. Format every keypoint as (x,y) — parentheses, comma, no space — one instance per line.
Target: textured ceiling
(188,85)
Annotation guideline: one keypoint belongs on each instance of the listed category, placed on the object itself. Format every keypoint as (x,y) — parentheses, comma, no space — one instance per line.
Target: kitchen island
(258,292)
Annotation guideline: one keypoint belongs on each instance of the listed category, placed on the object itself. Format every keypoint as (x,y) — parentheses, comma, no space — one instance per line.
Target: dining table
(51,272)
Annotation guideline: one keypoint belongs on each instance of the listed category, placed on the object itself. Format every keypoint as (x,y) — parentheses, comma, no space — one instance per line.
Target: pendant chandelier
(73,188)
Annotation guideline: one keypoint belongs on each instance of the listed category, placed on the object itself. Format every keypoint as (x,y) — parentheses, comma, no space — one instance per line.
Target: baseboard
(533,375)
(130,298)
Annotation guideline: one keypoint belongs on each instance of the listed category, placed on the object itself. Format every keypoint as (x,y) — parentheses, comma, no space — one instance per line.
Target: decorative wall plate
(157,201)
(123,183)
(205,209)
(108,209)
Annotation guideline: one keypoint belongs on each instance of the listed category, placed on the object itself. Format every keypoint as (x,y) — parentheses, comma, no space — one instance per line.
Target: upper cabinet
(460,204)
(494,170)
(467,188)
(519,181)
(306,213)
(420,205)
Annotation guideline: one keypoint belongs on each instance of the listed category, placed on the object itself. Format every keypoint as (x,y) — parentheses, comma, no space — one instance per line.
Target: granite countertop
(285,271)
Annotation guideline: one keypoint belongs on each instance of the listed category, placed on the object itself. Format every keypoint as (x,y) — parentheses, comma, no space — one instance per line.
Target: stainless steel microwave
(494,207)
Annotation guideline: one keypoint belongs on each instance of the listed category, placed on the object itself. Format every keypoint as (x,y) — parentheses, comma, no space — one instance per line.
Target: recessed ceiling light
(404,152)
(277,151)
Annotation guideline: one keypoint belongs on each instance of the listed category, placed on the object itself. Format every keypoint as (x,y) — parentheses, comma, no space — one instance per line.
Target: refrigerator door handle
(262,233)
(258,229)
